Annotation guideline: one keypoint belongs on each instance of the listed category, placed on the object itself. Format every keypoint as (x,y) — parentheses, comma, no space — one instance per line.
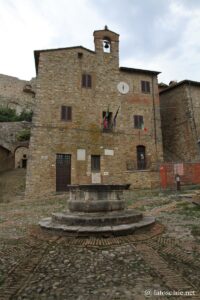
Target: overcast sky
(160,35)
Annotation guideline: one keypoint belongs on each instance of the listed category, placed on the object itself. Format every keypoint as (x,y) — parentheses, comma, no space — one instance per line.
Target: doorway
(141,157)
(63,172)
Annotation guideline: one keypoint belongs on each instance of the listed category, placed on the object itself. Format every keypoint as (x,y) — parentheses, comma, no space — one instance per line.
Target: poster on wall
(178,169)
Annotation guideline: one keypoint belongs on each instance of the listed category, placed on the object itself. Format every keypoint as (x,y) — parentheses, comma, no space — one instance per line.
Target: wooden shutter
(69,113)
(145,86)
(66,113)
(63,112)
(86,80)
(89,81)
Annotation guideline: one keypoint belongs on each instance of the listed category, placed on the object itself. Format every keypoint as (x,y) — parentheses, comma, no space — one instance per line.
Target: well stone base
(122,229)
(96,210)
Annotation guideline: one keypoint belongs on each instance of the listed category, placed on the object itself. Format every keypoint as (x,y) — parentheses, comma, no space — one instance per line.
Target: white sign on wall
(109,152)
(96,177)
(105,173)
(81,154)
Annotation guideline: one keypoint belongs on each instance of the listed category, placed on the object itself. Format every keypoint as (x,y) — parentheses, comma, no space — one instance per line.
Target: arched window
(106,45)
(141,157)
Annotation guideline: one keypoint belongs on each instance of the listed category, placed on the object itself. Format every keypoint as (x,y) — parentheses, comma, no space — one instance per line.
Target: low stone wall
(143,179)
(9,132)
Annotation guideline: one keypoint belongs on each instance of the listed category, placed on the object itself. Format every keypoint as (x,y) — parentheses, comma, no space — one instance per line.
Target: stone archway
(6,159)
(21,157)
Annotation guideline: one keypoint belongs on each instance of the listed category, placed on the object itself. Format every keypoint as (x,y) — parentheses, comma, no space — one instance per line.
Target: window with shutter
(86,81)
(66,113)
(145,86)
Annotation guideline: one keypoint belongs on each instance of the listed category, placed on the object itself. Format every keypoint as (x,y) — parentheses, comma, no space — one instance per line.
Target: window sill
(136,170)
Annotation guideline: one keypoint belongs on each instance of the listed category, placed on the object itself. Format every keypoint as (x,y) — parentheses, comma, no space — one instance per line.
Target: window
(145,86)
(141,157)
(138,122)
(95,163)
(66,113)
(86,81)
(107,120)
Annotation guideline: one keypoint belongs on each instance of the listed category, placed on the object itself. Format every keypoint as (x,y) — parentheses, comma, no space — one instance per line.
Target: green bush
(10,115)
(24,135)
(26,116)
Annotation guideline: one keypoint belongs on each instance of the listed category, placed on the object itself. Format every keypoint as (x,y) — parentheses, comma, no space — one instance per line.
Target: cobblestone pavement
(146,265)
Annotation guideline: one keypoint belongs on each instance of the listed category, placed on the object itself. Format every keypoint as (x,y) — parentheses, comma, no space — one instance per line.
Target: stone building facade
(94,122)
(180,119)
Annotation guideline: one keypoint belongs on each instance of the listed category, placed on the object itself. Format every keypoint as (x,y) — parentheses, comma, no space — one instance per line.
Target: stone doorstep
(186,196)
(146,221)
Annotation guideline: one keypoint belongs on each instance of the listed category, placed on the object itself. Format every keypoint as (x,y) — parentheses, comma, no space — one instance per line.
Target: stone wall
(9,132)
(16,93)
(59,83)
(180,115)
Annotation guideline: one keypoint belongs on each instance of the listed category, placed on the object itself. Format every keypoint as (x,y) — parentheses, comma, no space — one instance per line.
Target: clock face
(123,87)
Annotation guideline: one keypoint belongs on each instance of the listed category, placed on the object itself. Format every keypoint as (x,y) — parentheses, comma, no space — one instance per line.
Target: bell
(106,46)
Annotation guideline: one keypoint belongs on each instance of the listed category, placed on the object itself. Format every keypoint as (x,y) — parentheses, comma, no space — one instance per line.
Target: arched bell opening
(106,45)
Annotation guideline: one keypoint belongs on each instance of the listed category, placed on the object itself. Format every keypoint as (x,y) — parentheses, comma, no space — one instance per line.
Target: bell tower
(107,45)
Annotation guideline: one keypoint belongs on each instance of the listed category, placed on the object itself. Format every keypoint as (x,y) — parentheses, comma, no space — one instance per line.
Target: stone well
(97,209)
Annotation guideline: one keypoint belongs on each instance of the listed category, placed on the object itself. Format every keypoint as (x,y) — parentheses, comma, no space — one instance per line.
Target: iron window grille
(95,163)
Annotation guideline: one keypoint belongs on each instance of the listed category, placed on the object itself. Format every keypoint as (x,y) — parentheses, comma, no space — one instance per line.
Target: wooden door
(63,171)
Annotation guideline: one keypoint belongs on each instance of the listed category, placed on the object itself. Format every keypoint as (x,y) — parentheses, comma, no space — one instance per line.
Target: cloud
(158,35)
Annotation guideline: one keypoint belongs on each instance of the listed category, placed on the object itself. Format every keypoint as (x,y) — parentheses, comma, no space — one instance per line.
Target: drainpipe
(154,118)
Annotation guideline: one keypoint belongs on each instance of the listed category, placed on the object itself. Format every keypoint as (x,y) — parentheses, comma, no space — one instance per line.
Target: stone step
(122,229)
(97,219)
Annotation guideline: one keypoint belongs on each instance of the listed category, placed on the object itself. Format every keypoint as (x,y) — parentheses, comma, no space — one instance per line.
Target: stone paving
(37,265)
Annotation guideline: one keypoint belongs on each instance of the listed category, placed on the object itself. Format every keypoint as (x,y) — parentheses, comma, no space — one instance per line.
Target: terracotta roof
(132,70)
(186,81)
